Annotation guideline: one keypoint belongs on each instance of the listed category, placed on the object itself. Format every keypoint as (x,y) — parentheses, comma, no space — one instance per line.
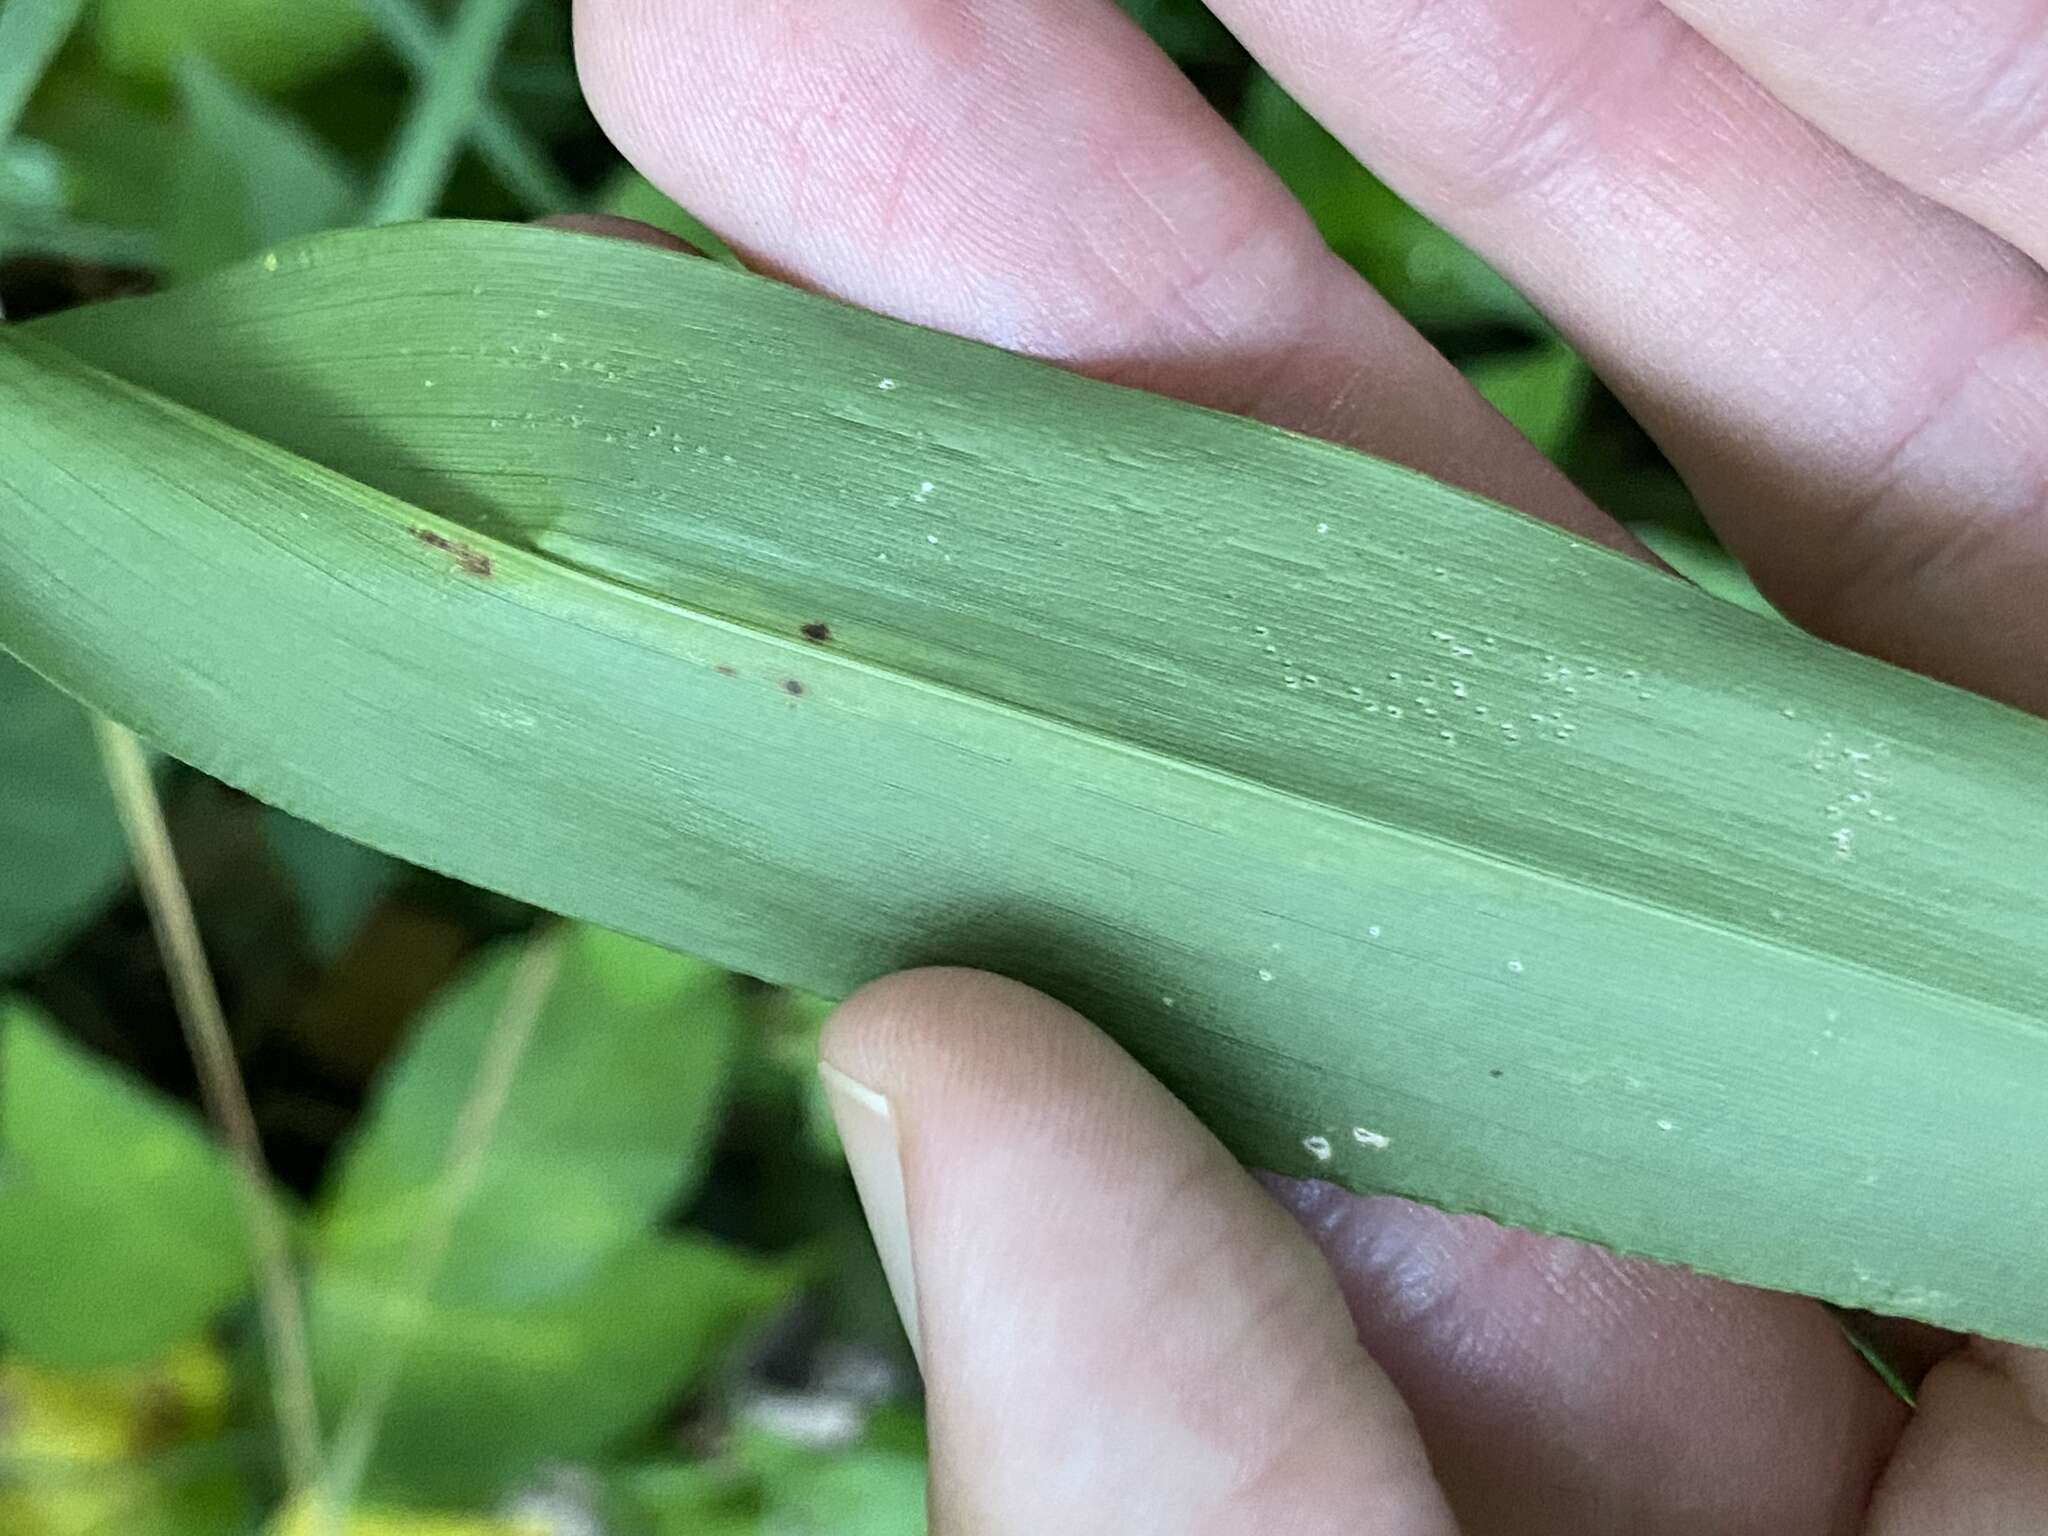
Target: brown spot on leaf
(471,559)
(1496,1072)
(727,672)
(792,687)
(816,633)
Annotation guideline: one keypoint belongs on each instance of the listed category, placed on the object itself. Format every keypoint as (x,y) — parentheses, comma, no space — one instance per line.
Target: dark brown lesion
(469,558)
(817,633)
(792,687)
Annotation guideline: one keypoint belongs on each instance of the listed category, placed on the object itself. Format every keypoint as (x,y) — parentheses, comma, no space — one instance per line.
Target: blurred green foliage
(120,1224)
(631,1293)
(59,844)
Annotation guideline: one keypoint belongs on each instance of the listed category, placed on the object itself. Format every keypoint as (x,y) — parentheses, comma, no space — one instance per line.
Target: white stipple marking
(885,384)
(1515,966)
(1667,1125)
(1264,974)
(1373,1139)
(1317,1147)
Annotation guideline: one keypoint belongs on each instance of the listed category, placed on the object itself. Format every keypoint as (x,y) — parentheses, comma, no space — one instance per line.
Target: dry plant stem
(356,1440)
(227,1099)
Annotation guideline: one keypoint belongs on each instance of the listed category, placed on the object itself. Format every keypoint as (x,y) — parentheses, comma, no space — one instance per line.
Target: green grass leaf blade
(1609,972)
(31,32)
(438,121)
(608,1121)
(262,44)
(632,196)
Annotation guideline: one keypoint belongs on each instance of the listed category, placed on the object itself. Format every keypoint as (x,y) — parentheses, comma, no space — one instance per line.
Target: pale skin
(1802,239)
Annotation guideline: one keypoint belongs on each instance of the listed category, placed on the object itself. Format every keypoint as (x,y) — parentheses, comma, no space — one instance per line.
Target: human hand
(1845,350)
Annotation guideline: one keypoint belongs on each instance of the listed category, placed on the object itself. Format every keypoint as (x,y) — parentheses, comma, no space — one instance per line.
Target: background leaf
(95,1169)
(632,196)
(244,175)
(60,843)
(114,146)
(31,32)
(608,1124)
(1236,849)
(1438,284)
(336,882)
(302,1521)
(267,44)
(489,1392)
(129,1449)
(1541,389)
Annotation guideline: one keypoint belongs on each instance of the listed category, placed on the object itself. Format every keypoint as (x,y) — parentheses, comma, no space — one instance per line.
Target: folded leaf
(1416,844)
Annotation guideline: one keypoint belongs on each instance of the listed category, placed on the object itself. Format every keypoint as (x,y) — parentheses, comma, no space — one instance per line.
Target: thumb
(1120,1331)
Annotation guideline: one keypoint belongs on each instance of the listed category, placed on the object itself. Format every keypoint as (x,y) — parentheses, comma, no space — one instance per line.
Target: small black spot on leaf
(816,633)
(792,687)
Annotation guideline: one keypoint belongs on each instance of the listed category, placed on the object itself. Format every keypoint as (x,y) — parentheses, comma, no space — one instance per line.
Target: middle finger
(1852,379)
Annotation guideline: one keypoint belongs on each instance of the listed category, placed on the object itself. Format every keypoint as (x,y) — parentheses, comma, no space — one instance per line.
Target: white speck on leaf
(1264,974)
(1373,1139)
(1317,1147)
(1515,966)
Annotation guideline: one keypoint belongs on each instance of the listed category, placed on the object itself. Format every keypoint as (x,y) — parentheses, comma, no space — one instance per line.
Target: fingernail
(867,1129)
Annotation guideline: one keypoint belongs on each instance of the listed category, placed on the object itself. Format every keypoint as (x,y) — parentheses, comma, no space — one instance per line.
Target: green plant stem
(356,1440)
(442,113)
(520,163)
(31,32)
(227,1099)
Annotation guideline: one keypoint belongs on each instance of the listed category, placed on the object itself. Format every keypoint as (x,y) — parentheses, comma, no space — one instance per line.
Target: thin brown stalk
(227,1099)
